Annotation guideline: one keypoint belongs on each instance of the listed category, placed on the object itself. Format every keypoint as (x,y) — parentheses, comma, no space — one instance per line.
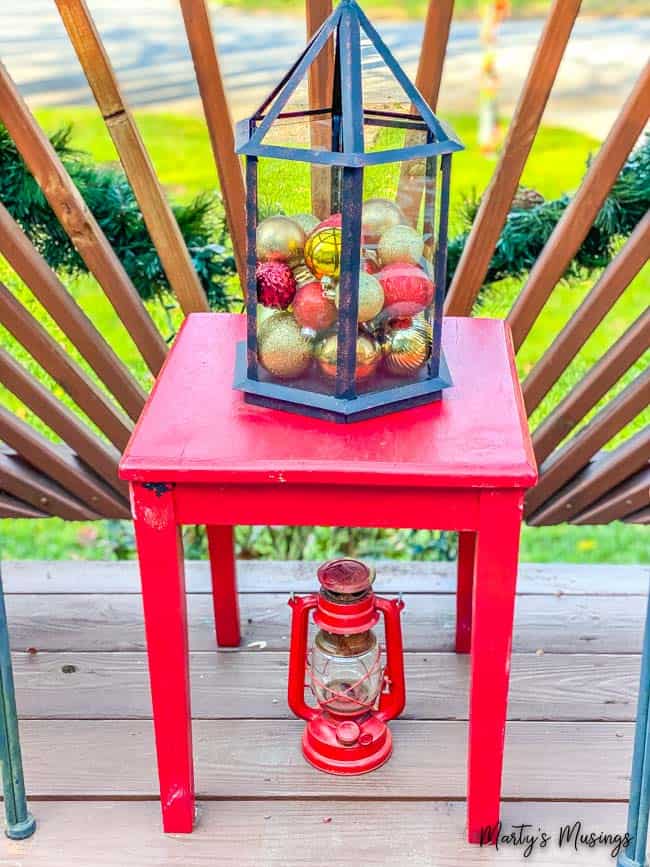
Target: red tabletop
(197,428)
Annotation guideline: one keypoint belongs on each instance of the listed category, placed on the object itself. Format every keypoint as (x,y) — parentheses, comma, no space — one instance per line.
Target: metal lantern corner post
(346,733)
(344,308)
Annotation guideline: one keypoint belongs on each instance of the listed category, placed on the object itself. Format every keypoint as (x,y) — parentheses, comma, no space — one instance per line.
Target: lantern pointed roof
(344,30)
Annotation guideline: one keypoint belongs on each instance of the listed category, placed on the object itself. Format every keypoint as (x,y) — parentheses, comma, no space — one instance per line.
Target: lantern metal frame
(349,158)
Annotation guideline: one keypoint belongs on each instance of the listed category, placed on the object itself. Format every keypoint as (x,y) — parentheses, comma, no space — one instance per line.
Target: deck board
(82,690)
(262,759)
(108,622)
(235,685)
(263,576)
(294,834)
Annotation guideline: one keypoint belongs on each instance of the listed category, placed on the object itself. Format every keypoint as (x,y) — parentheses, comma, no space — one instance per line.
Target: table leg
(495,582)
(160,552)
(221,545)
(465,584)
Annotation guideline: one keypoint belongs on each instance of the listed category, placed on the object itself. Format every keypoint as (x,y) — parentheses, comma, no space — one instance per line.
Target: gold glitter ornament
(280,239)
(407,350)
(264,313)
(371,296)
(323,252)
(377,216)
(368,356)
(307,222)
(400,244)
(282,349)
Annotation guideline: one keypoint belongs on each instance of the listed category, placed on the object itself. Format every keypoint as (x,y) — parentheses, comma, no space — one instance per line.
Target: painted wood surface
(475,436)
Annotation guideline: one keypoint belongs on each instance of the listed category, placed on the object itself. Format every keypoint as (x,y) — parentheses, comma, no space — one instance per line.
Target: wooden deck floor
(82,691)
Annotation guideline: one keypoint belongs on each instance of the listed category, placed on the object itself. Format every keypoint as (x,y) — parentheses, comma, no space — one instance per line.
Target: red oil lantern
(356,694)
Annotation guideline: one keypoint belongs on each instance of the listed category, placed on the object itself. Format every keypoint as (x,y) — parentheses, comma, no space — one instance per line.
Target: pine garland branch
(109,196)
(527,230)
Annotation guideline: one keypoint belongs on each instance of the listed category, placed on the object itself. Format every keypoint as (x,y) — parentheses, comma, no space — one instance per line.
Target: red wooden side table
(201,455)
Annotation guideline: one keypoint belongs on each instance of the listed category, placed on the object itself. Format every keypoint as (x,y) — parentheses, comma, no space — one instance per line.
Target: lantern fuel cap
(345,576)
(347,733)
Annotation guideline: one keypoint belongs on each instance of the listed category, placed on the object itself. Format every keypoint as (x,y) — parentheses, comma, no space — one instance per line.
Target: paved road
(146,42)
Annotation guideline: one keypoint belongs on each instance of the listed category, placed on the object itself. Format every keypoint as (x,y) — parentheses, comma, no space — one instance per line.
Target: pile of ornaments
(297,273)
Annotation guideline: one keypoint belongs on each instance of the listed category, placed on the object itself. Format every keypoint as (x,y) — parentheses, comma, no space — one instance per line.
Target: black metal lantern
(346,259)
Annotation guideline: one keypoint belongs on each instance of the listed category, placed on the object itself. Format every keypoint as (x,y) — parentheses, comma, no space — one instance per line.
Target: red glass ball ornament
(407,289)
(312,309)
(335,220)
(276,285)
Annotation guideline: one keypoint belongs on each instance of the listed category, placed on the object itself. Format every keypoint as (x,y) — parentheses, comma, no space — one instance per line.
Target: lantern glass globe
(346,674)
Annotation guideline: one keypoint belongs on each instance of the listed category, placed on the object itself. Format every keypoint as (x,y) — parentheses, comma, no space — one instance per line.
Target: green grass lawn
(402,9)
(180,150)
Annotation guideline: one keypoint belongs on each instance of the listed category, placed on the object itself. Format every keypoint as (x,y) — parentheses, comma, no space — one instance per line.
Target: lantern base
(369,404)
(347,747)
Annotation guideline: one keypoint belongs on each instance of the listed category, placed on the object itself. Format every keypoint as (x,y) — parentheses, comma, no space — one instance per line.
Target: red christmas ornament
(335,220)
(407,289)
(276,285)
(312,309)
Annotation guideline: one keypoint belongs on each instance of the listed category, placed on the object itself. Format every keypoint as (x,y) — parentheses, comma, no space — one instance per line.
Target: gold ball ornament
(282,349)
(323,252)
(371,296)
(400,244)
(368,356)
(280,239)
(264,313)
(377,216)
(407,350)
(307,222)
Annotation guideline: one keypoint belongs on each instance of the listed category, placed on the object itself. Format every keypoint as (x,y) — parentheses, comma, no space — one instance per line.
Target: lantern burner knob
(345,576)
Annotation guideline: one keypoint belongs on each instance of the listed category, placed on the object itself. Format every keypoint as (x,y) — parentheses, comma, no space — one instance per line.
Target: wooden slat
(157,214)
(640,517)
(79,223)
(320,81)
(297,833)
(23,481)
(497,199)
(60,466)
(263,576)
(592,387)
(596,480)
(32,268)
(579,450)
(231,685)
(113,622)
(262,759)
(10,507)
(219,120)
(103,458)
(582,210)
(582,324)
(626,499)
(427,81)
(53,358)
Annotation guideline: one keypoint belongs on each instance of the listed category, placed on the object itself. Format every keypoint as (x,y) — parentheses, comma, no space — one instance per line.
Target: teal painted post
(637,820)
(20,822)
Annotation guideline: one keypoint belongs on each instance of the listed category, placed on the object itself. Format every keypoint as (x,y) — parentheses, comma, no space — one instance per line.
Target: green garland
(110,198)
(527,230)
(108,194)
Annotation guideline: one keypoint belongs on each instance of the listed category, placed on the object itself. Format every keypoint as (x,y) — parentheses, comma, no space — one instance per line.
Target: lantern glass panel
(346,671)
